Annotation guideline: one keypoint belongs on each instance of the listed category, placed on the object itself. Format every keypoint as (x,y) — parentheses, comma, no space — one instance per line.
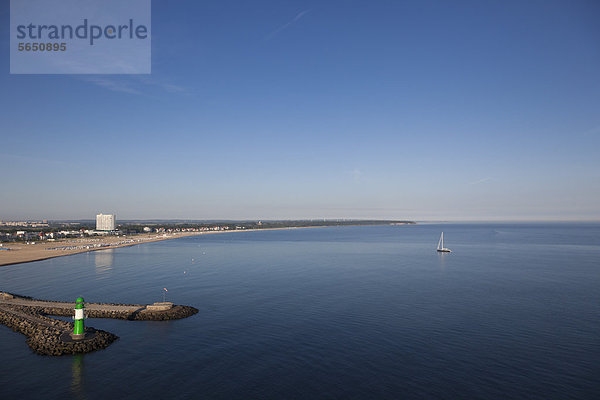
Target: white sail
(441,247)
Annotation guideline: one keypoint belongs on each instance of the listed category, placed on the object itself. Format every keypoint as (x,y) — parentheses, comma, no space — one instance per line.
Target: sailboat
(441,247)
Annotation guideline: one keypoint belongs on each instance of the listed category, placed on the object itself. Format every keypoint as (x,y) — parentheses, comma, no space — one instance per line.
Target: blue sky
(425,110)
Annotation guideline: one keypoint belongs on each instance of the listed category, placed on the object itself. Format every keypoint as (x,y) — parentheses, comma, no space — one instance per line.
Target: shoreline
(21,253)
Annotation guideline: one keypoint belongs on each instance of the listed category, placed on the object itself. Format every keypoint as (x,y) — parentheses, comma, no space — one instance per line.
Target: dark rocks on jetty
(49,336)
(44,334)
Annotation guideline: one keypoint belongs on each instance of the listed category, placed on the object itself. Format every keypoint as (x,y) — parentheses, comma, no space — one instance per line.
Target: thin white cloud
(356,175)
(287,24)
(151,81)
(480,181)
(32,159)
(173,88)
(133,85)
(113,85)
(592,132)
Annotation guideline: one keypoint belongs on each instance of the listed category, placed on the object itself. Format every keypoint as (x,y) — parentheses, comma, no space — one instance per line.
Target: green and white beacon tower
(79,329)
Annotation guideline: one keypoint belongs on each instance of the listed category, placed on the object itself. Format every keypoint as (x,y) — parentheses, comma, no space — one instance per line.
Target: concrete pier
(50,336)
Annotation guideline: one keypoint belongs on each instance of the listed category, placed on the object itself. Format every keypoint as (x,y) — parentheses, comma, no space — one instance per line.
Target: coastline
(20,253)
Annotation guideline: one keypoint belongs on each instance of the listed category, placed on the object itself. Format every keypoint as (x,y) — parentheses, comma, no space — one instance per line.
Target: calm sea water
(331,313)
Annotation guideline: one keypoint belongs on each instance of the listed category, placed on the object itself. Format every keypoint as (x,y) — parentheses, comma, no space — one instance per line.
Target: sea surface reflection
(348,313)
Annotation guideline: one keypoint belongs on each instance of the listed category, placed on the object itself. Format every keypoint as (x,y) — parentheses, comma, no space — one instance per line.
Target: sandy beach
(21,252)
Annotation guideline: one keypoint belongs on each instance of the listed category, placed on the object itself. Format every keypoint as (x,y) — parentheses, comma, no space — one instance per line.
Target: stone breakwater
(46,336)
(50,336)
(141,314)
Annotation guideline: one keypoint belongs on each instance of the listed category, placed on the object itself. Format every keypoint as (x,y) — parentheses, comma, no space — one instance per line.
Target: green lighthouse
(79,329)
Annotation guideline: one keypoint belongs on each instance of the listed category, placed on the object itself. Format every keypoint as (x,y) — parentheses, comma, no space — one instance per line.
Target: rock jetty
(49,336)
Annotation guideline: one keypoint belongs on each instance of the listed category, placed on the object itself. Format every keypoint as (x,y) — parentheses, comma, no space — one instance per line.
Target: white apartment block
(105,222)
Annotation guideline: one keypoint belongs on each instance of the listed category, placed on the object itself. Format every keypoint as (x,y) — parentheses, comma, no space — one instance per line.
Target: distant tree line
(137,227)
(232,225)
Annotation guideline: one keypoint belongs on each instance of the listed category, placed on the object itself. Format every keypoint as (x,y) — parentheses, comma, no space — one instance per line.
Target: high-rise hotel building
(105,222)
